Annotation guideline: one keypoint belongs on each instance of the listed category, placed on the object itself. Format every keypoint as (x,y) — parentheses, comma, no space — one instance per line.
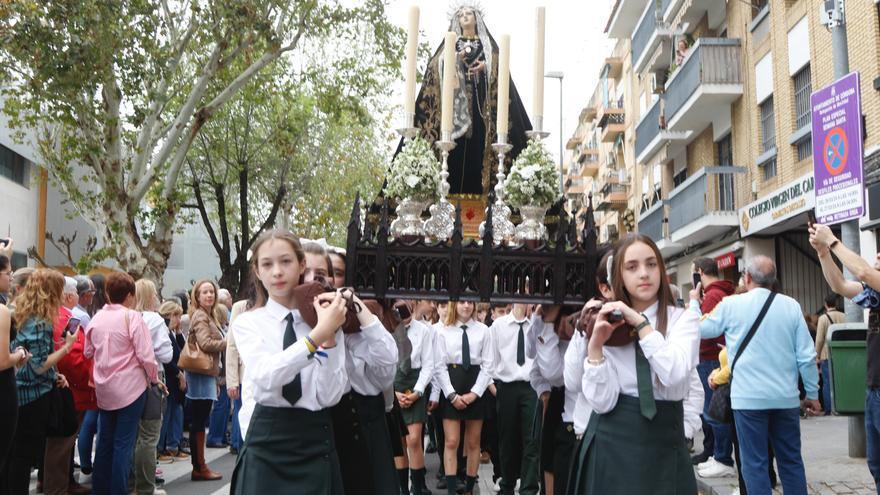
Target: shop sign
(725,261)
(789,200)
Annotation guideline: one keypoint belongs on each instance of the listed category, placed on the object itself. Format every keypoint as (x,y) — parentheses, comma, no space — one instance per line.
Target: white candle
(412,43)
(503,86)
(449,77)
(538,88)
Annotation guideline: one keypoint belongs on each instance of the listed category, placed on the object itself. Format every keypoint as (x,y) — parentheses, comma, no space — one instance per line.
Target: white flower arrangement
(533,178)
(414,172)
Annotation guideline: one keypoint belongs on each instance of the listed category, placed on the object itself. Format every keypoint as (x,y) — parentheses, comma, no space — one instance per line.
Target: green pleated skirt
(404,383)
(288,450)
(623,453)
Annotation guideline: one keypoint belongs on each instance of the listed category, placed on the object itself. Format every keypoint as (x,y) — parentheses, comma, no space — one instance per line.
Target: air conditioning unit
(611,232)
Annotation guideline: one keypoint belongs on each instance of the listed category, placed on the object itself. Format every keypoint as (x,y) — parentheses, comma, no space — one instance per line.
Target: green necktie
(521,345)
(465,349)
(293,390)
(405,349)
(645,385)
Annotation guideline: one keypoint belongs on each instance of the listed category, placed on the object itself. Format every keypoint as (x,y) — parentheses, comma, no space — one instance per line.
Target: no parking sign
(837,150)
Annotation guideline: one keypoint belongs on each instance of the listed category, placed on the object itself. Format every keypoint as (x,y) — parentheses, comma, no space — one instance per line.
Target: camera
(615,316)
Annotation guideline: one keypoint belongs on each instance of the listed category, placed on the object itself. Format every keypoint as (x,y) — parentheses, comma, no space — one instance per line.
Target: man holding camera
(865,293)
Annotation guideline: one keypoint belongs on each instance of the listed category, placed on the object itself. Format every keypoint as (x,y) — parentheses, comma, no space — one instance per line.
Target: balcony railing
(648,128)
(644,30)
(651,222)
(710,190)
(712,61)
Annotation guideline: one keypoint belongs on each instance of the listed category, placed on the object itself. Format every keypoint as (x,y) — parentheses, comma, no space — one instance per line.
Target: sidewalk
(830,471)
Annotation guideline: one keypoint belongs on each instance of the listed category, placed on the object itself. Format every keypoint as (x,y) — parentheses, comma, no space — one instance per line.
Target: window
(13,166)
(768,128)
(805,148)
(679,177)
(725,151)
(769,168)
(725,181)
(802,89)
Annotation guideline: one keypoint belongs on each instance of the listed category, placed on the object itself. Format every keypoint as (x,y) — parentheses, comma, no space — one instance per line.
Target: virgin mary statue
(472,162)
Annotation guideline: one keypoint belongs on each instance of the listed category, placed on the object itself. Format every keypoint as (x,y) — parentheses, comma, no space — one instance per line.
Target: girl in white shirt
(635,440)
(463,358)
(292,376)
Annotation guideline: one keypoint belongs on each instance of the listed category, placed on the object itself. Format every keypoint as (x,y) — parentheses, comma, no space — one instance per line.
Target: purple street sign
(837,150)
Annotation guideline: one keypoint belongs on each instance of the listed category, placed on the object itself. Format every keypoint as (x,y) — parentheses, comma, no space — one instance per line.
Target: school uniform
(516,402)
(463,372)
(361,430)
(415,371)
(558,438)
(635,440)
(286,393)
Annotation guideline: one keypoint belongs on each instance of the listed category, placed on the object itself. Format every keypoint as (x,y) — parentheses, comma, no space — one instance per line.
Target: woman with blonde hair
(36,309)
(147,302)
(202,387)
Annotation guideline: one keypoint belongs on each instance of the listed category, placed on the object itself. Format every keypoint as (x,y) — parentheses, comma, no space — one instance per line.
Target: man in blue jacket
(764,388)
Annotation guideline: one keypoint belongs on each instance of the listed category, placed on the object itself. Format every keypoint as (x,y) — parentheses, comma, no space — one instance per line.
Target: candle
(503,86)
(449,76)
(412,43)
(538,88)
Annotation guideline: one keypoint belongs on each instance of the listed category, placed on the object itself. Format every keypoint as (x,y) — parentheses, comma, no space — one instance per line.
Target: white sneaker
(83,478)
(497,486)
(709,462)
(717,471)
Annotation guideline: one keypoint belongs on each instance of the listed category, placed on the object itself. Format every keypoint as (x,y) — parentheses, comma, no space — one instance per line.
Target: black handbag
(62,420)
(154,404)
(719,406)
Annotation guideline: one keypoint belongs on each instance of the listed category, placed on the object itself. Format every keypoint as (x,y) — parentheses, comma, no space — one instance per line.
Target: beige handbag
(194,360)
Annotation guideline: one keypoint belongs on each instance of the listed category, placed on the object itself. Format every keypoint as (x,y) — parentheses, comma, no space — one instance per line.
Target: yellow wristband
(310,347)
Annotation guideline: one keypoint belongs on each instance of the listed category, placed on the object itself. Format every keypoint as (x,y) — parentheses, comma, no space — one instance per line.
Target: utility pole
(834,18)
(559,75)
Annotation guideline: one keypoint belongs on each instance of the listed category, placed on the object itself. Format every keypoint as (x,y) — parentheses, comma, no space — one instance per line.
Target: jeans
(825,368)
(172,426)
(117,433)
(722,448)
(86,439)
(872,430)
(783,429)
(219,419)
(236,441)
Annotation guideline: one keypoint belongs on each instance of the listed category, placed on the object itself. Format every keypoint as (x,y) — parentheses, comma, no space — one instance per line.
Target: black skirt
(552,420)
(462,381)
(363,444)
(623,453)
(565,445)
(288,449)
(404,383)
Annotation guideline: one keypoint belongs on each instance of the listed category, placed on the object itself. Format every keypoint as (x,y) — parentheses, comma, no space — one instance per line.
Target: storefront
(776,226)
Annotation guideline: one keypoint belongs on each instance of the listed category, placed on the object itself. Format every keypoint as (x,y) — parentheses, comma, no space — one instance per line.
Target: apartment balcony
(612,121)
(613,196)
(588,113)
(703,207)
(651,42)
(651,136)
(613,67)
(590,165)
(709,80)
(693,12)
(624,16)
(651,222)
(574,185)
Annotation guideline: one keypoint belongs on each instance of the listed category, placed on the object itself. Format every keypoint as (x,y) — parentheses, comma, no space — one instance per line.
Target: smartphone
(696,278)
(72,326)
(811,218)
(402,312)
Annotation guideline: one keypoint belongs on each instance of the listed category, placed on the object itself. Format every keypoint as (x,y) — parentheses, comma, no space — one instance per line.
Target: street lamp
(559,75)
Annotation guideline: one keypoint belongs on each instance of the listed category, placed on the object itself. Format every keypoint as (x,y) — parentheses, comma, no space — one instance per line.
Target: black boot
(403,478)
(418,482)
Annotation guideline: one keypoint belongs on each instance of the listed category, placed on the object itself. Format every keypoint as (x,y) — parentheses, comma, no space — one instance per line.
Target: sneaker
(709,463)
(496,488)
(718,470)
(84,478)
(700,458)
(180,454)
(165,458)
(441,483)
(158,472)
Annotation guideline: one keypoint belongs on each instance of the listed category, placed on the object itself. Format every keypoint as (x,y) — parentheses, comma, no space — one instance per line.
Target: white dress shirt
(503,338)
(268,366)
(435,383)
(448,351)
(672,359)
(550,363)
(422,356)
(370,359)
(573,376)
(159,334)
(693,406)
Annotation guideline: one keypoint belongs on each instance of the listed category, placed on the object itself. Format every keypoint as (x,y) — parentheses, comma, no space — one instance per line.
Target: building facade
(716,97)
